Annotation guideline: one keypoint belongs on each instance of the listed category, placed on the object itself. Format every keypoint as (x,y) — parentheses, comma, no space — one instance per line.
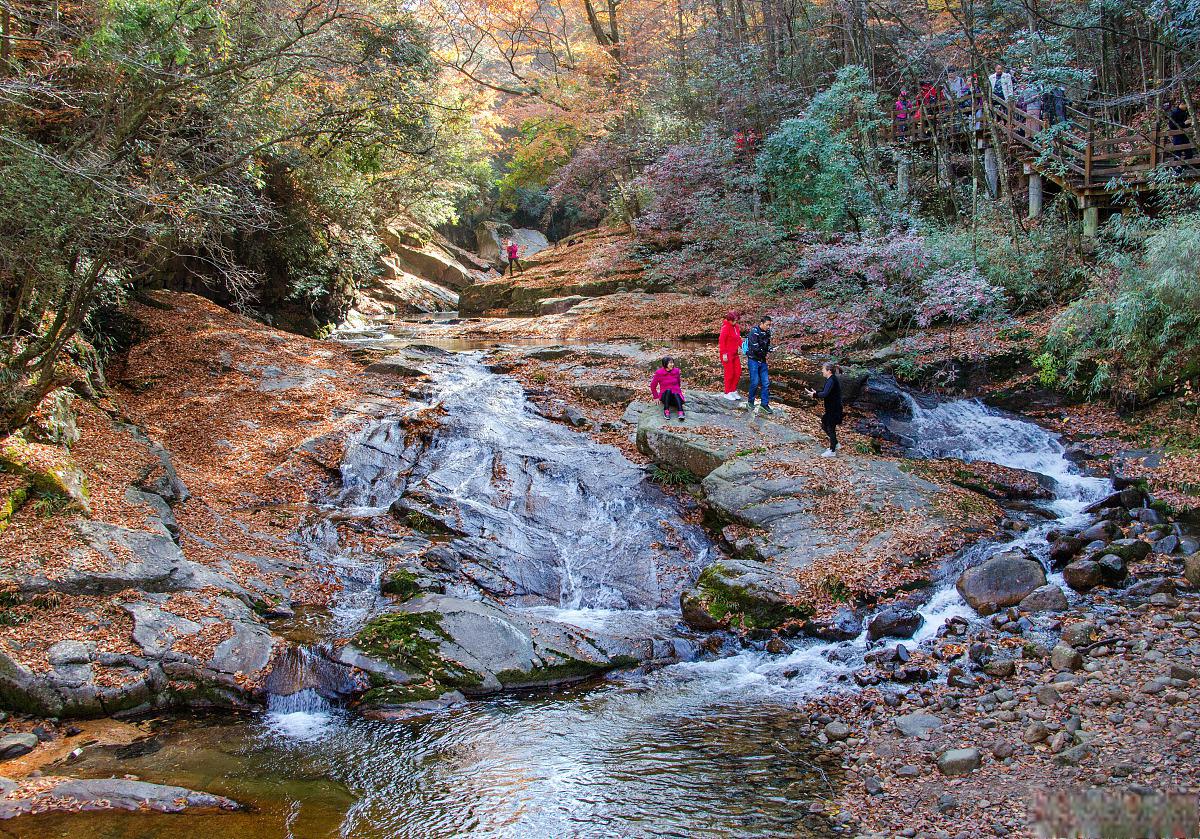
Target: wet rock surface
(48,795)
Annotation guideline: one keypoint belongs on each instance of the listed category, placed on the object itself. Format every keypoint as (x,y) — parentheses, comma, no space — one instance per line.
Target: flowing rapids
(703,748)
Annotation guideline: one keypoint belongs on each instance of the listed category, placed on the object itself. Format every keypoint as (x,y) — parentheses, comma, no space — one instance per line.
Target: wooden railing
(1082,153)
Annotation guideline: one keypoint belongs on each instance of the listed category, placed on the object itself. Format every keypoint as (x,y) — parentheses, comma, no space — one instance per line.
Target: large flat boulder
(489,240)
(810,533)
(425,259)
(717,430)
(49,795)
(437,643)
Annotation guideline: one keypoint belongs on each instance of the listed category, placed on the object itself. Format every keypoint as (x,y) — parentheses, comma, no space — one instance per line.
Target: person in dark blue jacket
(758,346)
(831,394)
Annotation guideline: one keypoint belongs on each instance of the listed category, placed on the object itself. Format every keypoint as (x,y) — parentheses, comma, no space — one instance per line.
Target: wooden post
(1035,194)
(1154,141)
(991,171)
(1091,222)
(1087,155)
(902,171)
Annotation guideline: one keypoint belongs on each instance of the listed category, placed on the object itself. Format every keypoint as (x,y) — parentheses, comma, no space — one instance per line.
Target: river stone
(501,648)
(1101,531)
(398,365)
(1129,550)
(72,795)
(842,625)
(917,723)
(1112,568)
(1083,574)
(1065,658)
(606,393)
(1002,581)
(15,745)
(837,731)
(1047,598)
(894,622)
(558,305)
(1079,634)
(1064,550)
(960,761)
(1167,545)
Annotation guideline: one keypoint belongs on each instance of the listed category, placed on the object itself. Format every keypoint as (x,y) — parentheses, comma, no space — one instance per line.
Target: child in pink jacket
(667,385)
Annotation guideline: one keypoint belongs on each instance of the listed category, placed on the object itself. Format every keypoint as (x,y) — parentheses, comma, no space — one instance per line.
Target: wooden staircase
(1084,155)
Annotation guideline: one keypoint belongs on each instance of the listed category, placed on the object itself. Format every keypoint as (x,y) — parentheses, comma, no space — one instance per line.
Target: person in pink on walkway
(667,386)
(730,344)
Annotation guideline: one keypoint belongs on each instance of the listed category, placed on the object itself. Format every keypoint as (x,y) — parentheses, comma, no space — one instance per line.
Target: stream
(696,748)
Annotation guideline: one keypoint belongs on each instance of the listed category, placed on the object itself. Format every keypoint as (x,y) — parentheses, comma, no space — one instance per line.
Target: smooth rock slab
(71,795)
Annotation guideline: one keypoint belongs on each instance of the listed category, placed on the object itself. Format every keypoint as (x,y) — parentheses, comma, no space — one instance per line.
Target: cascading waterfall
(967,430)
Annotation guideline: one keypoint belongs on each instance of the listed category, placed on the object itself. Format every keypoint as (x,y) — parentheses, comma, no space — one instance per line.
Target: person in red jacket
(730,345)
(667,385)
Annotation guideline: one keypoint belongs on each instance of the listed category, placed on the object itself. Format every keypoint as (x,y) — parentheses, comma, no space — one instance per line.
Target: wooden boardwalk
(1089,157)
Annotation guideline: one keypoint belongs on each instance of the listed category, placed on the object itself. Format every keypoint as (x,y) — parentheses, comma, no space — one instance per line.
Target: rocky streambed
(760,630)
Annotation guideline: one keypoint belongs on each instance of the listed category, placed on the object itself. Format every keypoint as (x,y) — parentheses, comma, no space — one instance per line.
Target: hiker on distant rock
(758,346)
(667,386)
(831,393)
(730,344)
(513,250)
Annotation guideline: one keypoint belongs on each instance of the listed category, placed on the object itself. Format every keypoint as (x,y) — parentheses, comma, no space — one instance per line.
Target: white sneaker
(829,453)
(732,396)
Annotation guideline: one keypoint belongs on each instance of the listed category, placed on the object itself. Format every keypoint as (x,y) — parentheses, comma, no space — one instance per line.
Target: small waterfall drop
(967,430)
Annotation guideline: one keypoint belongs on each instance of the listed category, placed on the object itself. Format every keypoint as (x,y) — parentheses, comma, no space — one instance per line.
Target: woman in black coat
(831,393)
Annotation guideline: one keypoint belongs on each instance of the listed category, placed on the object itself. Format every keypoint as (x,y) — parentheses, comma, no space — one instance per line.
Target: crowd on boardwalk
(957,104)
(666,385)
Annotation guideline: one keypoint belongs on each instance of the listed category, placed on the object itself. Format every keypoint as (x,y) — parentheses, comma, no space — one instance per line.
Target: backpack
(746,346)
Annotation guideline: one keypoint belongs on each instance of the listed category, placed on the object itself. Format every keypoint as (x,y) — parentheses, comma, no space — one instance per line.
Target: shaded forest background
(252,151)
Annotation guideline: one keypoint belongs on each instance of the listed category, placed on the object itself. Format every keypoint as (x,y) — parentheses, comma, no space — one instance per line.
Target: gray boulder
(1003,580)
(894,622)
(72,795)
(916,724)
(717,430)
(959,761)
(15,745)
(1083,575)
(1047,598)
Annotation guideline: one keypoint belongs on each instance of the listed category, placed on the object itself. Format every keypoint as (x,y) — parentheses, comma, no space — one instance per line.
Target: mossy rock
(13,502)
(393,694)
(401,584)
(66,480)
(411,642)
(728,601)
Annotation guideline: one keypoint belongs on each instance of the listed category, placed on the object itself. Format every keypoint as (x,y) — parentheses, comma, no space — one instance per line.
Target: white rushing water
(967,430)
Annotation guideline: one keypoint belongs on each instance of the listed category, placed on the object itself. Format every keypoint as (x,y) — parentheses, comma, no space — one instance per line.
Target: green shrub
(1138,334)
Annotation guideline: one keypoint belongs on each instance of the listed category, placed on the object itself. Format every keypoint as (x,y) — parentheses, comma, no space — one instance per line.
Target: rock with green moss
(401,584)
(744,594)
(439,643)
(62,479)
